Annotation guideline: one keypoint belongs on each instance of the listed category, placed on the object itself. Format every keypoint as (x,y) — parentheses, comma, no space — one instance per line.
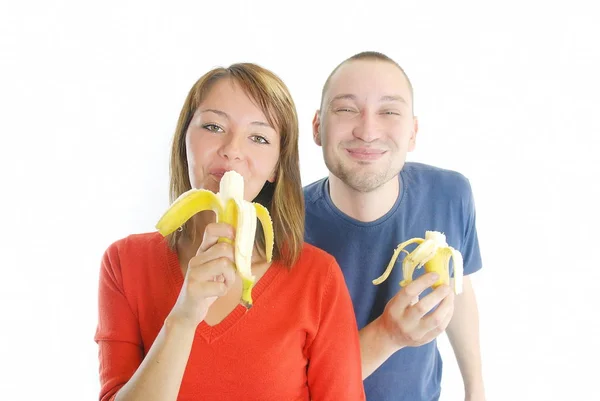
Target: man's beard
(359,178)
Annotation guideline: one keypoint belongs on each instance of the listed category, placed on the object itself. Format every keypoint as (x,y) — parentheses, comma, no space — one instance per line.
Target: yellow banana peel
(432,252)
(230,207)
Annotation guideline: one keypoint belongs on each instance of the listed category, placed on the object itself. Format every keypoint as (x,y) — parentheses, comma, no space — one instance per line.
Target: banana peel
(434,254)
(230,207)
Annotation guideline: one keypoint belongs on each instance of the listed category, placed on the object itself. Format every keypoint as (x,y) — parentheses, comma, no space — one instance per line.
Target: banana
(230,207)
(432,252)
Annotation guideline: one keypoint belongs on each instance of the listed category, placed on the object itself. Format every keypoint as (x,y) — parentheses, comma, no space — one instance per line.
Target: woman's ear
(273,176)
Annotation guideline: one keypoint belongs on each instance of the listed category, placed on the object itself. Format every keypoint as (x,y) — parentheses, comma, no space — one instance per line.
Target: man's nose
(367,127)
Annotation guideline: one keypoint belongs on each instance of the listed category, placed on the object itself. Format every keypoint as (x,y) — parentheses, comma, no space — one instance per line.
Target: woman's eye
(259,139)
(212,127)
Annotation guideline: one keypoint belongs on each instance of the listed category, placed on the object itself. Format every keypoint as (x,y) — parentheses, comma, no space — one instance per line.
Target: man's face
(366,124)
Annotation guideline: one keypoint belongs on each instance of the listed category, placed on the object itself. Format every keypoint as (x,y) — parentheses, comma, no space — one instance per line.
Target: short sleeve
(470,244)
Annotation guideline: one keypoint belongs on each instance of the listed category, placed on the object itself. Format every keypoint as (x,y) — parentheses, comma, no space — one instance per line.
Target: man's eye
(212,128)
(391,113)
(344,110)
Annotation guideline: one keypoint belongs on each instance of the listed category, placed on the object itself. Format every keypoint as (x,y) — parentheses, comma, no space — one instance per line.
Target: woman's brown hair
(283,198)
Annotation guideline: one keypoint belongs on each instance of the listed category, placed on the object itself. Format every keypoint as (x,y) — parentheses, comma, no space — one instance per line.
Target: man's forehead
(367,75)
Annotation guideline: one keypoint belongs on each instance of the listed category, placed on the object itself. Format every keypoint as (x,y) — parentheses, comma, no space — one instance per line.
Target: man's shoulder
(443,181)
(319,212)
(314,190)
(436,172)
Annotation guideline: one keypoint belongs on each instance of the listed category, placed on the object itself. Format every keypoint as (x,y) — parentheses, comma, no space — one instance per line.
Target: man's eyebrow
(226,116)
(395,98)
(386,98)
(343,96)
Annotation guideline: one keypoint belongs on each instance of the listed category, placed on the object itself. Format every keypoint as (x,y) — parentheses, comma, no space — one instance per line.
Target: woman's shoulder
(138,242)
(315,278)
(315,261)
(139,249)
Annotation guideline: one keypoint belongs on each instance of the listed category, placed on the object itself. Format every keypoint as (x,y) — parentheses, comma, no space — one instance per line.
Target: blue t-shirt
(430,198)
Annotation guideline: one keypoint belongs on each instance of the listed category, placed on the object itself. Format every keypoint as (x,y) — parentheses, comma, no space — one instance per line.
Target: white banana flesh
(230,207)
(434,253)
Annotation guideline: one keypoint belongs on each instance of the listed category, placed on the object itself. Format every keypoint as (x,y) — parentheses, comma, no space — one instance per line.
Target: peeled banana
(432,252)
(230,207)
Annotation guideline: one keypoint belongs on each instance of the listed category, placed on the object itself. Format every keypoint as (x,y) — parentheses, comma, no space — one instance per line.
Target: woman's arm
(160,373)
(158,376)
(124,372)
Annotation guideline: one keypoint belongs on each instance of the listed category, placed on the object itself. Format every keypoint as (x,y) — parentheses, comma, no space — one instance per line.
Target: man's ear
(413,135)
(316,126)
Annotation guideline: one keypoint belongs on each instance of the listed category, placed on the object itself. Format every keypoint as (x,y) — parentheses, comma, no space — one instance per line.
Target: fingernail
(435,276)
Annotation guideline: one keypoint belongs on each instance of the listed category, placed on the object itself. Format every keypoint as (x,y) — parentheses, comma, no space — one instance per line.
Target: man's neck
(363,206)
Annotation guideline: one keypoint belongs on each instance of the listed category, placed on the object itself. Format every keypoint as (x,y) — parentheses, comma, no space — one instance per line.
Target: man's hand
(406,321)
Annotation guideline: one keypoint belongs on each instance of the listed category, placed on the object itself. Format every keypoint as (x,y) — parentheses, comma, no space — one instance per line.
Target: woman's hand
(210,274)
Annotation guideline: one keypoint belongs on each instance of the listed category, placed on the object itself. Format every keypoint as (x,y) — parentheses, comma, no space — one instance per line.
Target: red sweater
(299,341)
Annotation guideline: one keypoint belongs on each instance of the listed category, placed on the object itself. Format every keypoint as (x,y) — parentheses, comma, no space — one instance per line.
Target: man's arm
(375,347)
(404,324)
(463,334)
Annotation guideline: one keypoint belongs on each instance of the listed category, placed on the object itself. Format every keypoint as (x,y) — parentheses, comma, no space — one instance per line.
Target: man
(372,201)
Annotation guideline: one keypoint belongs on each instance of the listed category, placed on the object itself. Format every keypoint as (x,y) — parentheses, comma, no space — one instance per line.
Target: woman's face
(229,132)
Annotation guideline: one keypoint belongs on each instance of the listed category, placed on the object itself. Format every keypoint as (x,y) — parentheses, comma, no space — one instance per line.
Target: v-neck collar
(213,333)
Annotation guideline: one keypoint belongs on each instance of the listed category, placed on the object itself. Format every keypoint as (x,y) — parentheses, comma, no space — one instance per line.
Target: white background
(507,94)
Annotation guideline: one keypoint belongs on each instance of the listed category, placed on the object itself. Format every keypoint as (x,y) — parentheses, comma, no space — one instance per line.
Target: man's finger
(427,303)
(408,294)
(439,319)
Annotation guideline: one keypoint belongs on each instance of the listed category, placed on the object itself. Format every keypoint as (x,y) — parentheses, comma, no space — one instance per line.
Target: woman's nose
(232,147)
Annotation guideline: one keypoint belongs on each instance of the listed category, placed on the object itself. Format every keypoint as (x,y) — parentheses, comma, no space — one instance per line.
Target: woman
(171,326)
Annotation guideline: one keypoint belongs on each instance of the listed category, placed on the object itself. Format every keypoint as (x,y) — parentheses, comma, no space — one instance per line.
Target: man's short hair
(367,55)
